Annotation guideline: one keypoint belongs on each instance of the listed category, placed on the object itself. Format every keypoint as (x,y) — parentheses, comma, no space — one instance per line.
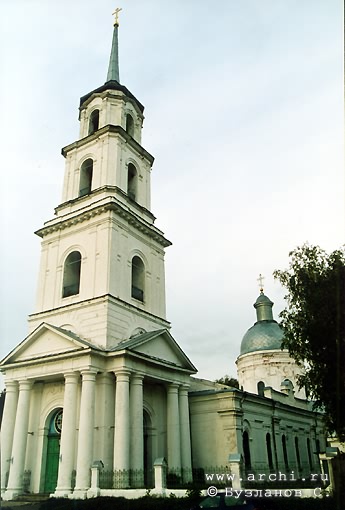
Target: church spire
(113,69)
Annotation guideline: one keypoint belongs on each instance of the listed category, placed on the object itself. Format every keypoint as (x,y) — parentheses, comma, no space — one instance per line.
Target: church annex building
(100,381)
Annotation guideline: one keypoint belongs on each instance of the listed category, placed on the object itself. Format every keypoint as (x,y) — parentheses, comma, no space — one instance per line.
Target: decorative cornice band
(148,230)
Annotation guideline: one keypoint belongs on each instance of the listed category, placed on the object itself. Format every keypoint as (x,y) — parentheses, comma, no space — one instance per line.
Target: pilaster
(137,436)
(186,459)
(105,419)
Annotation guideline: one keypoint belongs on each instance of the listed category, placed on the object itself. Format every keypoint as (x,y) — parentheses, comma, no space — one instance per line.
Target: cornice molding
(112,206)
(109,129)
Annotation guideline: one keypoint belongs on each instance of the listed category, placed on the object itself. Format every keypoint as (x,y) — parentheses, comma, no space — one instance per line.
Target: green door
(52,464)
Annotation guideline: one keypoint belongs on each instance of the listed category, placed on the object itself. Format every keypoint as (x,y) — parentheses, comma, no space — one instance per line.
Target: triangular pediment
(46,340)
(159,346)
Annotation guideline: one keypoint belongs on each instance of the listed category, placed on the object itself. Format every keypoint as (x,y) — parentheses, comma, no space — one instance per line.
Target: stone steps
(32,498)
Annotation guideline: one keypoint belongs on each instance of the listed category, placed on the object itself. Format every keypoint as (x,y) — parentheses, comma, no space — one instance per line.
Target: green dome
(263,336)
(266,334)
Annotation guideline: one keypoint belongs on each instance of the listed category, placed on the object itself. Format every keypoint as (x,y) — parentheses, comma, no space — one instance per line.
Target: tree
(314,327)
(228,381)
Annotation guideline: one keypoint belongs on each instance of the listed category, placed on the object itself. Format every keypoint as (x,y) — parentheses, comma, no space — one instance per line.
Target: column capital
(71,377)
(184,388)
(137,378)
(11,386)
(122,374)
(106,377)
(24,384)
(89,374)
(173,387)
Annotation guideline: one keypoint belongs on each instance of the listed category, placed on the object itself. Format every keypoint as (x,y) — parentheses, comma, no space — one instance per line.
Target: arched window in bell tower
(85,178)
(94,122)
(132,182)
(138,278)
(129,124)
(71,274)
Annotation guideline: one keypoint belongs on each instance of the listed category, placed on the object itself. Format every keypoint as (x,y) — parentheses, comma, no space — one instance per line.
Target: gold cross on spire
(261,282)
(116,14)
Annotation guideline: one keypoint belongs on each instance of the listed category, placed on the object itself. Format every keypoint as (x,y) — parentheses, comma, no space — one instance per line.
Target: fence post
(160,467)
(95,490)
(235,469)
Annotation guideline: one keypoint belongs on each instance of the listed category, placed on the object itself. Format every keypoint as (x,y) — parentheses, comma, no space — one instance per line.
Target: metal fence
(125,479)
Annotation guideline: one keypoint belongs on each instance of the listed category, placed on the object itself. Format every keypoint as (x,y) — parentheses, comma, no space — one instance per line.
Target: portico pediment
(46,340)
(159,346)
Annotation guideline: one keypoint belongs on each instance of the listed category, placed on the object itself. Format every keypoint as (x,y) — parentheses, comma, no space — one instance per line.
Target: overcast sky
(244,115)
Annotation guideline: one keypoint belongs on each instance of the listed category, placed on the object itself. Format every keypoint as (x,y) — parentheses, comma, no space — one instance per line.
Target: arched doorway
(53,451)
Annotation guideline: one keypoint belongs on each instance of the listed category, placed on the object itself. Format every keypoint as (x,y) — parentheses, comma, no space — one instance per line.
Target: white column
(121,443)
(186,457)
(173,432)
(68,433)
(86,430)
(7,428)
(105,419)
(20,435)
(137,435)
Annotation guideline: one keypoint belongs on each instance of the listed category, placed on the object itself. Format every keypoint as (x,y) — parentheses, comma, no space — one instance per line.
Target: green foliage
(228,381)
(314,326)
(118,503)
(193,494)
(159,503)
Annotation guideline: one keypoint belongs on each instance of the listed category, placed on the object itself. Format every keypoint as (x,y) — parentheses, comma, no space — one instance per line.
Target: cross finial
(116,14)
(261,282)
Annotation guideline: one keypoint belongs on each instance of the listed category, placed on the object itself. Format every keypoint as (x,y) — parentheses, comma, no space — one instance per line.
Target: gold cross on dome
(261,282)
(116,14)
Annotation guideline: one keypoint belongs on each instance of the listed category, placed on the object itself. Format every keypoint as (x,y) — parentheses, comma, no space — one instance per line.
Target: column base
(78,494)
(10,494)
(62,493)
(93,493)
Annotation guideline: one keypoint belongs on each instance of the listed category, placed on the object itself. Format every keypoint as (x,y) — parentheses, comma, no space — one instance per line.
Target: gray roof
(137,340)
(266,334)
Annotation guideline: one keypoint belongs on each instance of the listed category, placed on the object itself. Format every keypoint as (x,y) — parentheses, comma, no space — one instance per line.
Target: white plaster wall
(113,106)
(271,367)
(107,247)
(210,445)
(215,422)
(104,321)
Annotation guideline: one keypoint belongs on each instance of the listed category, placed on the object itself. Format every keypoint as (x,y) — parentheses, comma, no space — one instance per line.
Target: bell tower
(102,262)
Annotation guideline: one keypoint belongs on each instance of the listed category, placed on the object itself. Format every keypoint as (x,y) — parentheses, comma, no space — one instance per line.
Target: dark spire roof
(113,69)
(113,77)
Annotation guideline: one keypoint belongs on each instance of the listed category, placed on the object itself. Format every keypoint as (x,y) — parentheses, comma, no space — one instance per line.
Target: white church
(99,380)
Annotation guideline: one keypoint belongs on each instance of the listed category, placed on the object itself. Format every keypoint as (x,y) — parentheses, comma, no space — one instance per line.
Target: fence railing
(26,481)
(126,479)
